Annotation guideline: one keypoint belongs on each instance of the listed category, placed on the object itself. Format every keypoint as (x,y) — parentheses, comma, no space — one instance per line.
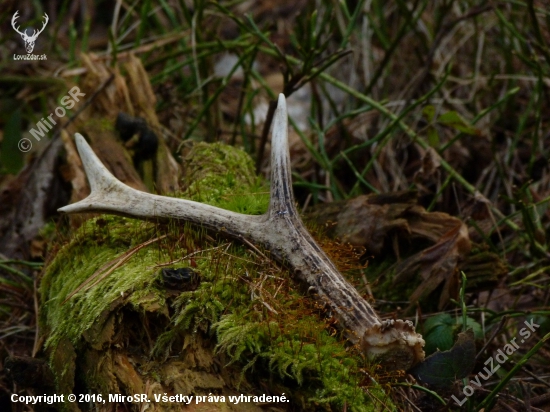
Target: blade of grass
(490,400)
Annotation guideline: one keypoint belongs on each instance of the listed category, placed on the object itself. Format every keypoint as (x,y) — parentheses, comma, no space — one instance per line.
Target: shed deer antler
(280,231)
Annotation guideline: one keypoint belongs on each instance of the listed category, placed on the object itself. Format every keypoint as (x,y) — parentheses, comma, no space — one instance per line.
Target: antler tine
(13,19)
(109,195)
(282,198)
(280,231)
(98,175)
(47,19)
(35,32)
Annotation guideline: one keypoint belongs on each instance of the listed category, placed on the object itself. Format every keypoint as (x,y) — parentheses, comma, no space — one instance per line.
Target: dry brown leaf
(377,222)
(430,165)
(437,264)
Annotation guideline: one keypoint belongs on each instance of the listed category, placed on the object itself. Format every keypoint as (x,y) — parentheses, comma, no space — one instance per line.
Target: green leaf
(429,113)
(454,120)
(472,324)
(433,137)
(443,368)
(437,320)
(439,332)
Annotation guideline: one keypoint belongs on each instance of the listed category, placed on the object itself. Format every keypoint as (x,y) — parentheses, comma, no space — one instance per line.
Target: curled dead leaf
(437,264)
(394,221)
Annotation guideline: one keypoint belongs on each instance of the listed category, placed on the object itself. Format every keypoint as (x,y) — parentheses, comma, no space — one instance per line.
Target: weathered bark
(22,219)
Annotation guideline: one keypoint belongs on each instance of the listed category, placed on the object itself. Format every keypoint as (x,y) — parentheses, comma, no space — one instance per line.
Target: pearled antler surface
(280,231)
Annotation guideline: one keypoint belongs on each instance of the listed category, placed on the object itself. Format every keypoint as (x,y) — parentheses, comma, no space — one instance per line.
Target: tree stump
(171,309)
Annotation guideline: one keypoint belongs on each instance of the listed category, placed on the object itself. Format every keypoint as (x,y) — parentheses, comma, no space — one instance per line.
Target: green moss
(223,176)
(260,325)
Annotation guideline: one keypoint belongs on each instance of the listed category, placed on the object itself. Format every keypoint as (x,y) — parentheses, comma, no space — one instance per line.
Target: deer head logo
(29,40)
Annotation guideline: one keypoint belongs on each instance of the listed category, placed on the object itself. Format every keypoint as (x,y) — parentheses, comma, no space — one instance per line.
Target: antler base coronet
(393,343)
(280,231)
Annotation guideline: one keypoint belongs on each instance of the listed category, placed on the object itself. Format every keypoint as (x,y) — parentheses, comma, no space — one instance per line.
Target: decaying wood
(280,231)
(132,94)
(113,155)
(22,219)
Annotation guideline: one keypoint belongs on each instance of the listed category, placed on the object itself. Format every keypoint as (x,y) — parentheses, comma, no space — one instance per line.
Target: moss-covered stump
(234,324)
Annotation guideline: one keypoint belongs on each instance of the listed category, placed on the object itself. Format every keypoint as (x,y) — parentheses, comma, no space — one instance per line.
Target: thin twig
(114,264)
(495,333)
(190,255)
(265,133)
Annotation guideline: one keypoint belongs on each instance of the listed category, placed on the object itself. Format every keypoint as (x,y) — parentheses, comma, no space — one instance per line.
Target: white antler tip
(65,209)
(281,103)
(79,139)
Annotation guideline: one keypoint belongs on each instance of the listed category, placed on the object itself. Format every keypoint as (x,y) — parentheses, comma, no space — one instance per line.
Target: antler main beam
(280,231)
